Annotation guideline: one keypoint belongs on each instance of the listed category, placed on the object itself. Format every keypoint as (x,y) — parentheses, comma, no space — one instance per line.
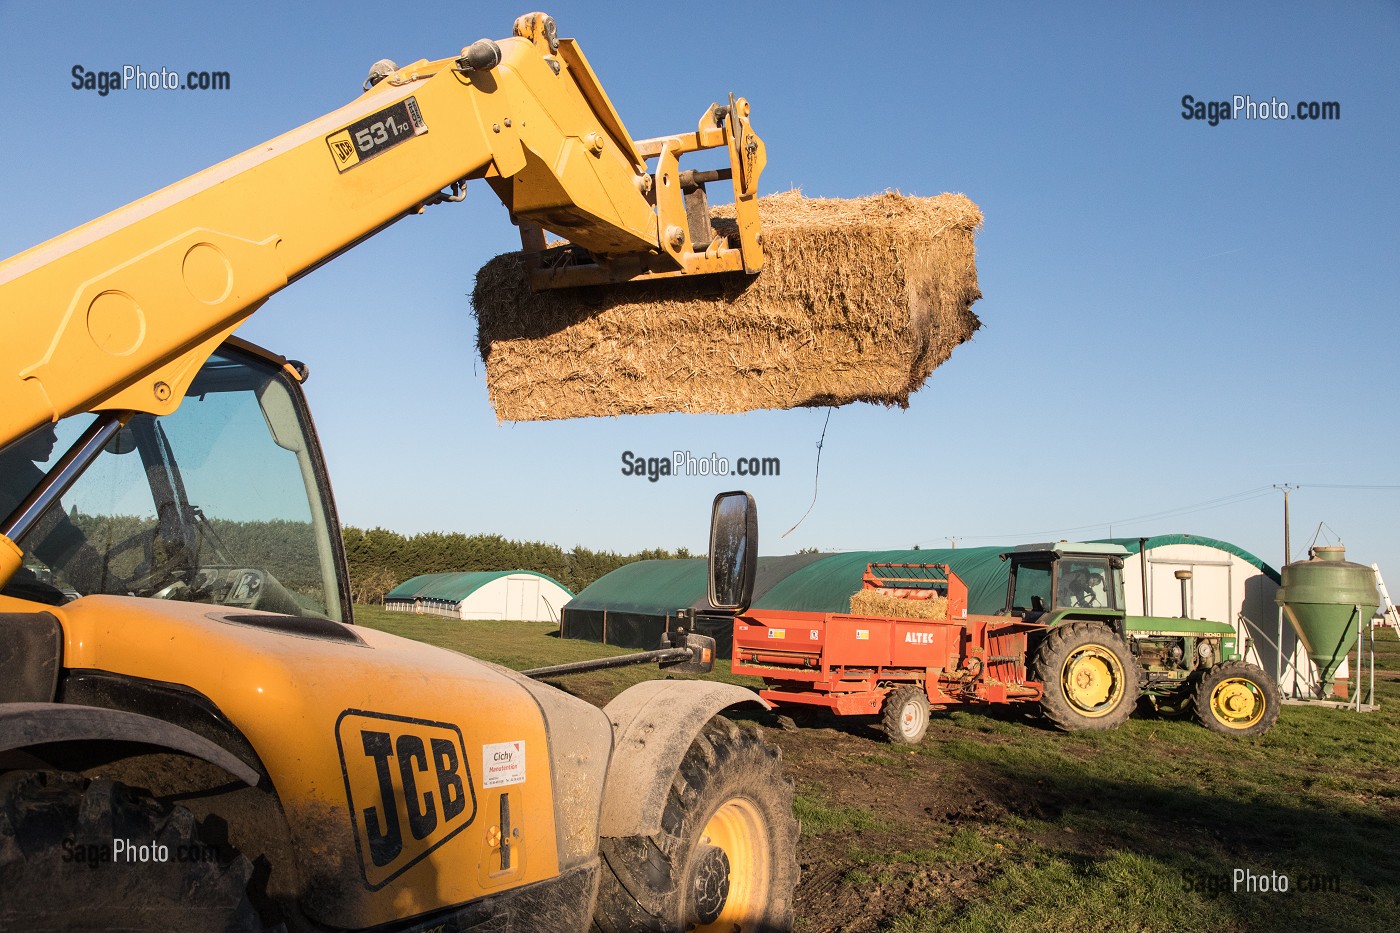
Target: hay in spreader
(858,300)
(880,605)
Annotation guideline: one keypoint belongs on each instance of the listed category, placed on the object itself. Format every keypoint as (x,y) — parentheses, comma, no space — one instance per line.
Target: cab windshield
(217,503)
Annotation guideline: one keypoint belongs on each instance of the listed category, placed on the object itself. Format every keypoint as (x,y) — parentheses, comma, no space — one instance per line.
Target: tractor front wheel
(725,858)
(1236,698)
(1089,677)
(905,717)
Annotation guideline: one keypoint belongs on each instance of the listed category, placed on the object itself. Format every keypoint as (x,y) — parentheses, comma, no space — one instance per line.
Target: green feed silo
(1321,597)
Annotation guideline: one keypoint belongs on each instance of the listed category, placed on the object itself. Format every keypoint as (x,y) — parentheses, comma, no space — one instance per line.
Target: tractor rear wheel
(905,717)
(79,854)
(1236,698)
(725,858)
(1089,677)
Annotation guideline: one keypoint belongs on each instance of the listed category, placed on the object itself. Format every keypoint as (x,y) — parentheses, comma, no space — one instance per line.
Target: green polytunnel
(829,584)
(634,605)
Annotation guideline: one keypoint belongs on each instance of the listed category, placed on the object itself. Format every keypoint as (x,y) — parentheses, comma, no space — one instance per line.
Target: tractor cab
(1049,577)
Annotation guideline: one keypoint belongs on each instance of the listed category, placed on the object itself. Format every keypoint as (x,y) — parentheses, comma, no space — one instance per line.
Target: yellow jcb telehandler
(193,734)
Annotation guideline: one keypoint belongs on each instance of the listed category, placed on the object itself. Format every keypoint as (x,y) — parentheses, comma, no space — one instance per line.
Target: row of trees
(379,559)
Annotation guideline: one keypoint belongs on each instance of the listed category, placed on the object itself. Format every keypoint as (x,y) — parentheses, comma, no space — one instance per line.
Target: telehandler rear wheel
(97,855)
(1090,678)
(1238,699)
(725,858)
(905,717)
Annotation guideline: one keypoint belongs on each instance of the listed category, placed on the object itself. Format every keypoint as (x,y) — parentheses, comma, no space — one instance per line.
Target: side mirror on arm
(733,551)
(733,566)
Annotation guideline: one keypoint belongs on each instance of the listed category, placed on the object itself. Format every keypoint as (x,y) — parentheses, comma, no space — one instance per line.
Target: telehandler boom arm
(119,314)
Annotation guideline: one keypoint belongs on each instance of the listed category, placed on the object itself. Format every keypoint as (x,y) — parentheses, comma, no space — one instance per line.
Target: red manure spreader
(885,664)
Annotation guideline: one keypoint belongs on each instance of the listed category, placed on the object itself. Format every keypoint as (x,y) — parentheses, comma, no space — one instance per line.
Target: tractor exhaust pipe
(1142,565)
(1184,576)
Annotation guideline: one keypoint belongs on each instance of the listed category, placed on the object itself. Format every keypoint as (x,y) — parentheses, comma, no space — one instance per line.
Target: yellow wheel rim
(1093,680)
(1237,703)
(738,829)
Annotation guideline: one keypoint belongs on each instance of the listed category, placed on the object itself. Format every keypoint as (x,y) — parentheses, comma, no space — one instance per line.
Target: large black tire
(1090,678)
(58,836)
(725,858)
(1236,699)
(905,716)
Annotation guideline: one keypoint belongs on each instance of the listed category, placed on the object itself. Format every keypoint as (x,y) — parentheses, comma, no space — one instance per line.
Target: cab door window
(1083,583)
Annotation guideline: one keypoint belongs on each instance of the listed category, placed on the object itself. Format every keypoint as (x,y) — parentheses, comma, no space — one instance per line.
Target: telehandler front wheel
(905,717)
(725,858)
(1089,676)
(1236,698)
(77,854)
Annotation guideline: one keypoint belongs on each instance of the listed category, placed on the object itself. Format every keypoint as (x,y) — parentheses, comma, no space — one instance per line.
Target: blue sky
(1177,316)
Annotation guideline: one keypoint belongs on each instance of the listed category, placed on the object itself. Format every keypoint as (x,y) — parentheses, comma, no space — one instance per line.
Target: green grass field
(997,822)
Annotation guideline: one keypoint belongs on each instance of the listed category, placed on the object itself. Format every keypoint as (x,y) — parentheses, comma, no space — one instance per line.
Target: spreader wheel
(1238,699)
(1090,678)
(98,855)
(725,858)
(905,718)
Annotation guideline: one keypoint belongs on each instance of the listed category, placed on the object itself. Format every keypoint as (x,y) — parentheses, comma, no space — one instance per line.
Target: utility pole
(1287,545)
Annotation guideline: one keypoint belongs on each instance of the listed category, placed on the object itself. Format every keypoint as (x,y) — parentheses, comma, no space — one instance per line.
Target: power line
(1340,486)
(1236,498)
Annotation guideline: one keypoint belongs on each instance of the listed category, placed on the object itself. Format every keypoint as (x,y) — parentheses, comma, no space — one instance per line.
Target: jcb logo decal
(343,150)
(408,786)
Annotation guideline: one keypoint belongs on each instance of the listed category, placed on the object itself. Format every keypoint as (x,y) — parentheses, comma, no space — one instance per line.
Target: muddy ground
(942,828)
(914,800)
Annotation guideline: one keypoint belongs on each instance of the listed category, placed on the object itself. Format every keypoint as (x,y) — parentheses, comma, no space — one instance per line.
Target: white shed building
(520,595)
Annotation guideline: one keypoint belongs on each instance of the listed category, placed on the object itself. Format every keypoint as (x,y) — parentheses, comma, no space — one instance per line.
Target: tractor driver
(1080,588)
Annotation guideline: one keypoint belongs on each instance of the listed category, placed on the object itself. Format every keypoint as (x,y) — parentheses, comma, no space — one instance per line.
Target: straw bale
(875,603)
(858,300)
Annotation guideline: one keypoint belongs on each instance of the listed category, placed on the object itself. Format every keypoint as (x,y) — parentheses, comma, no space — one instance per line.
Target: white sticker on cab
(502,764)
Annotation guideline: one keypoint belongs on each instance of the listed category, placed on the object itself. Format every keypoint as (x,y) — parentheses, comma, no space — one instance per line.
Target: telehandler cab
(193,735)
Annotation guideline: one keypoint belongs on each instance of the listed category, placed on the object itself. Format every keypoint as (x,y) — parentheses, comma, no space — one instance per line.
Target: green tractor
(1096,662)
